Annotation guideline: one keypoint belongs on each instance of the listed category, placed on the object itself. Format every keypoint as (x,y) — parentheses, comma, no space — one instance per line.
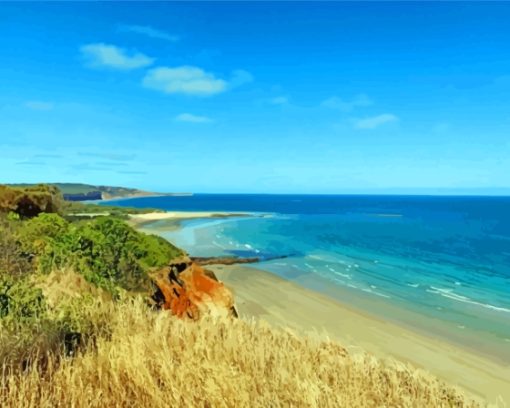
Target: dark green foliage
(117,253)
(12,260)
(35,241)
(107,251)
(20,300)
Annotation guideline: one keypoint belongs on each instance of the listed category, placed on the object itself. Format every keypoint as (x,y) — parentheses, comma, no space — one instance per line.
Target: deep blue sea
(440,264)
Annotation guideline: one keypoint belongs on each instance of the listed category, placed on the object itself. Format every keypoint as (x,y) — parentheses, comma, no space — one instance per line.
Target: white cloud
(39,105)
(335,102)
(279,100)
(192,80)
(188,117)
(149,32)
(375,121)
(184,79)
(106,55)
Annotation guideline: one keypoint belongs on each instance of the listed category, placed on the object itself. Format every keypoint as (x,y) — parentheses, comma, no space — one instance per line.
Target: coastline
(261,294)
(107,198)
(140,220)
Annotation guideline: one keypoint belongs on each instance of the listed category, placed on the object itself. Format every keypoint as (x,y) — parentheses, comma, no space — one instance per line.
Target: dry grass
(151,359)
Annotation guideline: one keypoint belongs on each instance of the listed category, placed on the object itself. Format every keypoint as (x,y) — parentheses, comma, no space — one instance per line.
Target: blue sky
(257,97)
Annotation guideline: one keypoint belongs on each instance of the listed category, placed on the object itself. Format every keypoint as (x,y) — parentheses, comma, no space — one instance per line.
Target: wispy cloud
(102,55)
(375,121)
(335,102)
(109,156)
(279,100)
(188,117)
(185,79)
(31,163)
(240,77)
(47,156)
(39,105)
(148,31)
(112,164)
(192,80)
(132,172)
(84,167)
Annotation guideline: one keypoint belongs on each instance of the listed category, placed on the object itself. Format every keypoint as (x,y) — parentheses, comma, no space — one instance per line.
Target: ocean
(440,265)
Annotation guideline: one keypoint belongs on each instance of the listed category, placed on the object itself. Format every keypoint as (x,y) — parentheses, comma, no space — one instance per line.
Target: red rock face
(191,293)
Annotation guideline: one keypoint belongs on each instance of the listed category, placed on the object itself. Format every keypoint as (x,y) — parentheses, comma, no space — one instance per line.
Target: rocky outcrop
(224,260)
(232,260)
(187,290)
(30,201)
(89,196)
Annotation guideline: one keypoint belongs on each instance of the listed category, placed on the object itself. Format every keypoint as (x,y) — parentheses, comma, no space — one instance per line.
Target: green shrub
(107,251)
(12,259)
(20,300)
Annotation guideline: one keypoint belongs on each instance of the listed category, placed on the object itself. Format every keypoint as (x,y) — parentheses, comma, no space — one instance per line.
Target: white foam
(448,293)
(343,275)
(373,292)
(413,285)
(217,245)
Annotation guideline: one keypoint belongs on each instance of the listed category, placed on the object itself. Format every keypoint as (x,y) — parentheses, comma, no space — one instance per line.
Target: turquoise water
(440,264)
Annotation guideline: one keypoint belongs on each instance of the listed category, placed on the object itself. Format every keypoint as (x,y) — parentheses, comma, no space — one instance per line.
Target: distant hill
(86,192)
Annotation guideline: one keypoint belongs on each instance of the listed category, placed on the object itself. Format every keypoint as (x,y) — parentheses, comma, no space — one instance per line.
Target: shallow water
(441,264)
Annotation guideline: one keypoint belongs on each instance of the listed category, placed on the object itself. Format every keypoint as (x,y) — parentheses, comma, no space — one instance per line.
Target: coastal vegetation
(77,329)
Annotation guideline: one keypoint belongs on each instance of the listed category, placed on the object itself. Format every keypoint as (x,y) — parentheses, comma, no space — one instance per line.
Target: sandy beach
(263,295)
(138,219)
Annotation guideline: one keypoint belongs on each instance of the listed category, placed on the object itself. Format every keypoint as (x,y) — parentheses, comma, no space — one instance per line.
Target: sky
(334,97)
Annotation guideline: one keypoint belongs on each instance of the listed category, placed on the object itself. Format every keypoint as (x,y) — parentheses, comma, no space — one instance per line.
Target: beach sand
(179,215)
(173,218)
(263,295)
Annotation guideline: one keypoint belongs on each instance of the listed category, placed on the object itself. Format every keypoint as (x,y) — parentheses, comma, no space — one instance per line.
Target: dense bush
(47,257)
(19,299)
(12,260)
(107,251)
(54,270)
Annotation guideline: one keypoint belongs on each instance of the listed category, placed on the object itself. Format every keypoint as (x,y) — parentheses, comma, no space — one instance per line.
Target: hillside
(82,325)
(85,192)
(146,359)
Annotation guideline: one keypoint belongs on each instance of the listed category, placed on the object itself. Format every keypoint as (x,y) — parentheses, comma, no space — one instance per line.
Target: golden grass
(150,359)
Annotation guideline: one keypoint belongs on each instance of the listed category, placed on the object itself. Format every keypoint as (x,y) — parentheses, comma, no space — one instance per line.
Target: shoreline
(138,220)
(261,294)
